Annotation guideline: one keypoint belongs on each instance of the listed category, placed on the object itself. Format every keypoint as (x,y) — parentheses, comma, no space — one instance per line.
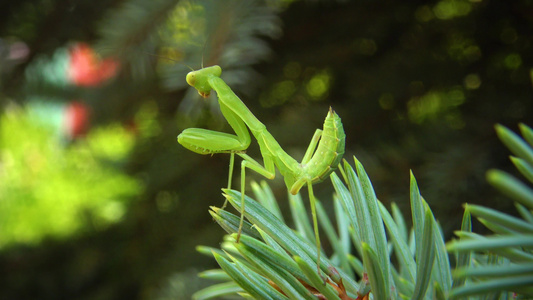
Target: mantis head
(199,79)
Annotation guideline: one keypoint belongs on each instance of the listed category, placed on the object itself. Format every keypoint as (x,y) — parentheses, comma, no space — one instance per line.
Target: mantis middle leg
(267,171)
(205,141)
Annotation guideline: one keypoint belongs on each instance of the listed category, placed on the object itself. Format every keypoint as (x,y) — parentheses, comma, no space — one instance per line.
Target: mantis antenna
(322,157)
(168,58)
(203,51)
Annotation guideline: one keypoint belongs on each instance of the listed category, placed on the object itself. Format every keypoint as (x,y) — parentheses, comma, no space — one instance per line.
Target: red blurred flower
(87,69)
(76,120)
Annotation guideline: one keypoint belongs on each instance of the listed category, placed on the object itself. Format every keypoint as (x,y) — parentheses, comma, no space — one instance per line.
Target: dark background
(419,86)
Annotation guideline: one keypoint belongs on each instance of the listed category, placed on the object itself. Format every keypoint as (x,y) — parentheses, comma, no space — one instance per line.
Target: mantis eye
(191,79)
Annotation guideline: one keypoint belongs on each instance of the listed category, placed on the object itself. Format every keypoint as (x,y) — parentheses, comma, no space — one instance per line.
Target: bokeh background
(99,201)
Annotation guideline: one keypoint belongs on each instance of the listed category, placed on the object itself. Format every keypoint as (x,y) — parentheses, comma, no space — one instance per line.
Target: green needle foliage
(274,261)
(374,255)
(500,265)
(50,191)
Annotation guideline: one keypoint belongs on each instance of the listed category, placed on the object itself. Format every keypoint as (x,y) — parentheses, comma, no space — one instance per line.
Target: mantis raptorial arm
(321,158)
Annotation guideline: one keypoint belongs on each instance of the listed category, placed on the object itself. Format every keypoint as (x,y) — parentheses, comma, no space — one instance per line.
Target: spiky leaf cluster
(500,265)
(274,261)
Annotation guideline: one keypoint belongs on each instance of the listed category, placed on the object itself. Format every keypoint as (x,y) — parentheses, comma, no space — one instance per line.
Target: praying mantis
(323,154)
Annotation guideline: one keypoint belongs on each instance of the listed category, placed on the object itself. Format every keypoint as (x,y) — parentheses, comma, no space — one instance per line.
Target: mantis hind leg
(295,188)
(312,201)
(312,146)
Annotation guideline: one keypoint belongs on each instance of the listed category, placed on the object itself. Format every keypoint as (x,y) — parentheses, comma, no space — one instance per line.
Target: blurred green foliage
(50,189)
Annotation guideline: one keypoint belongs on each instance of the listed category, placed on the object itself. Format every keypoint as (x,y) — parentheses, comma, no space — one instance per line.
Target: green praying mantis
(321,158)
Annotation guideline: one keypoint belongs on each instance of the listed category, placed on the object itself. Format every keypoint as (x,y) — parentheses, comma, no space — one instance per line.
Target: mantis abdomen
(329,151)
(325,159)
